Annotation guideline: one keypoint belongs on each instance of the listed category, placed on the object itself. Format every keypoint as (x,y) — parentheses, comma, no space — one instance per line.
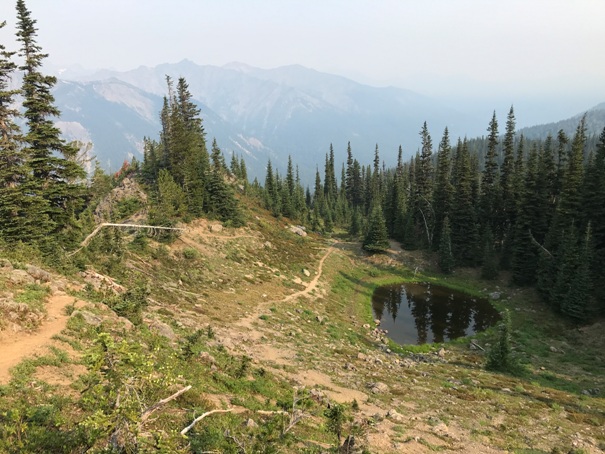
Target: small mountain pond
(423,313)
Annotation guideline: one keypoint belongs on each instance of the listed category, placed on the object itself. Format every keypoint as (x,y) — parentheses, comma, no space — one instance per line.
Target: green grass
(34,296)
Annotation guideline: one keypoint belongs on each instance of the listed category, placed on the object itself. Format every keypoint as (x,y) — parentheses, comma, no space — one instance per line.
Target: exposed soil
(17,346)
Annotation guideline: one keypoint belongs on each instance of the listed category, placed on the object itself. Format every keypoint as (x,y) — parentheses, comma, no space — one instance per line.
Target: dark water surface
(424,313)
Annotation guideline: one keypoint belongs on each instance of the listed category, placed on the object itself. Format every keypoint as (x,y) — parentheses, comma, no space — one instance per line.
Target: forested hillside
(534,208)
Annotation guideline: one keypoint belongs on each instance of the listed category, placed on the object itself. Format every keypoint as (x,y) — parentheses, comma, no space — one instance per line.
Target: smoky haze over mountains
(261,114)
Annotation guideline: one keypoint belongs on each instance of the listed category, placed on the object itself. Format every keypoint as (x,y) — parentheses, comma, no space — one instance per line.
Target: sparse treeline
(41,180)
(185,179)
(534,209)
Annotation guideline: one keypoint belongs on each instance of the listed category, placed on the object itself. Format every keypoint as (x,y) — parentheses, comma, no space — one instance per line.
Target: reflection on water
(425,313)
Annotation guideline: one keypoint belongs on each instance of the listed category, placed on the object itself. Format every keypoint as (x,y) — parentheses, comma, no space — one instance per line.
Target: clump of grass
(34,296)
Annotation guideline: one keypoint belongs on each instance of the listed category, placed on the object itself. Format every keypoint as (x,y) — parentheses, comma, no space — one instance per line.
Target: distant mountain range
(595,121)
(260,114)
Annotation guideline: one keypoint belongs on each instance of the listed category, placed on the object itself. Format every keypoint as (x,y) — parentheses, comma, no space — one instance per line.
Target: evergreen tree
(446,258)
(193,161)
(272,199)
(221,200)
(48,156)
(594,209)
(349,175)
(170,201)
(499,357)
(376,239)
(524,253)
(356,226)
(507,181)
(570,206)
(576,301)
(424,213)
(489,269)
(444,190)
(490,198)
(465,235)
(19,212)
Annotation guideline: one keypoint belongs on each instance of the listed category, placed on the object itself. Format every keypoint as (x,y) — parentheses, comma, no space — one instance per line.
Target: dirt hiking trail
(18,346)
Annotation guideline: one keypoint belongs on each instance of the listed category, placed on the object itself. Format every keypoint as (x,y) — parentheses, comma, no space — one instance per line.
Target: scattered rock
(89,317)
(349,366)
(317,395)
(553,349)
(591,392)
(395,416)
(441,352)
(162,329)
(5,263)
(320,318)
(127,324)
(366,326)
(128,189)
(298,231)
(362,356)
(306,272)
(377,322)
(378,388)
(216,228)
(250,424)
(21,277)
(38,273)
(495,295)
(207,358)
(268,244)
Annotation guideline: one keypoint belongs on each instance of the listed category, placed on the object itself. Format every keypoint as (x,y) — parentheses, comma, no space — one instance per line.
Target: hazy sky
(436,47)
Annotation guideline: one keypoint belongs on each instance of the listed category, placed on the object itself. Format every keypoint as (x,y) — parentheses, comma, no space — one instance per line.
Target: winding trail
(246,322)
(17,347)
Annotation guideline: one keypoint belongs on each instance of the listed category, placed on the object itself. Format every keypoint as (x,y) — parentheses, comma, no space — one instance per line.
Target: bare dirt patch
(17,346)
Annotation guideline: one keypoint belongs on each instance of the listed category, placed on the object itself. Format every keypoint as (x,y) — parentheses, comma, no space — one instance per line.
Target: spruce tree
(20,209)
(508,190)
(489,269)
(465,235)
(271,195)
(499,357)
(490,197)
(424,212)
(221,199)
(446,258)
(376,239)
(50,159)
(576,301)
(444,190)
(594,209)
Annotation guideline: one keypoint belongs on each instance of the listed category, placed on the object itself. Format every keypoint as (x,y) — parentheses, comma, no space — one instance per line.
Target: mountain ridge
(261,114)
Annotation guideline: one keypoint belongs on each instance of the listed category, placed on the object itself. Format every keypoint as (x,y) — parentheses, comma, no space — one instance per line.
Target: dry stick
(533,240)
(147,413)
(199,418)
(478,346)
(109,224)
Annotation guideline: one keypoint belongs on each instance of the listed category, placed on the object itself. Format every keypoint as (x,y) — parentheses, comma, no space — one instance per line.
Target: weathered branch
(147,413)
(87,240)
(478,346)
(533,240)
(199,418)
